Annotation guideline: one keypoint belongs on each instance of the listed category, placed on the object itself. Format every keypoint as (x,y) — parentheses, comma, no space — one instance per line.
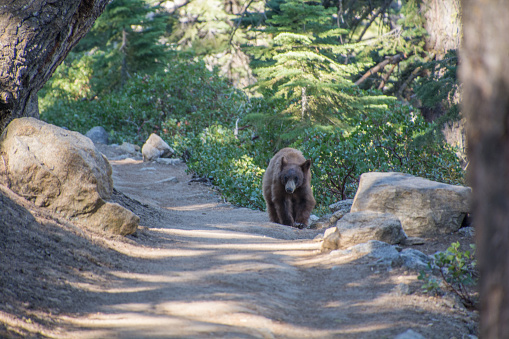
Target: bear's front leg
(303,208)
(284,211)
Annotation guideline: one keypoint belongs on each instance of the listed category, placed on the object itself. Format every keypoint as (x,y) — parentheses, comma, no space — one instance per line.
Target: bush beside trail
(210,123)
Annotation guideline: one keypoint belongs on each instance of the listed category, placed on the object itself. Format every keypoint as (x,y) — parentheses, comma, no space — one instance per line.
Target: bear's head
(293,176)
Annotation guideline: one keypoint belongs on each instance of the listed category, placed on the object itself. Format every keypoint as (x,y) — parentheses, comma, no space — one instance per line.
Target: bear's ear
(283,163)
(306,165)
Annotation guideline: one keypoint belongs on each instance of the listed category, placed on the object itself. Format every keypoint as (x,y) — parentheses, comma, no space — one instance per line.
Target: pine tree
(304,66)
(125,40)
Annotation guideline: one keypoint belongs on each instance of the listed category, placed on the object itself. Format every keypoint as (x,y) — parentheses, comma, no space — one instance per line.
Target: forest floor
(201,268)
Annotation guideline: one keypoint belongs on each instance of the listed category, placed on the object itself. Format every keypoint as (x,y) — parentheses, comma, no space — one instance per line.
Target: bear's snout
(290,187)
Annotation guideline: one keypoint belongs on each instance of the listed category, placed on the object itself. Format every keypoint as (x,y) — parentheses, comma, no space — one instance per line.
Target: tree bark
(35,37)
(485,76)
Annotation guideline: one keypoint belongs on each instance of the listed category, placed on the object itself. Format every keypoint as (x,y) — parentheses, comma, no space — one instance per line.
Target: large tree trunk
(443,24)
(35,37)
(485,76)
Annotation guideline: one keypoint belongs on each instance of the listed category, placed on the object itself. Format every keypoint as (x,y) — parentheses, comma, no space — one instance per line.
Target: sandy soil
(200,268)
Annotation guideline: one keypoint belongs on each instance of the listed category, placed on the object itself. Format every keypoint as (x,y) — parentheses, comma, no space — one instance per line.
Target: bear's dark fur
(287,188)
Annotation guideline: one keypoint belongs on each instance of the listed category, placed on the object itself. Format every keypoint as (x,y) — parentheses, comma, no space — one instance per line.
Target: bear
(287,188)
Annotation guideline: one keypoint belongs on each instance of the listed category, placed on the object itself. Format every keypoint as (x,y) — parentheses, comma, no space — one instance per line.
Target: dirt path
(200,268)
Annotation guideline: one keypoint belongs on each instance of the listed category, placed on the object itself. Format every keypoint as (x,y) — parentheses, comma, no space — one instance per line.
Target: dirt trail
(201,268)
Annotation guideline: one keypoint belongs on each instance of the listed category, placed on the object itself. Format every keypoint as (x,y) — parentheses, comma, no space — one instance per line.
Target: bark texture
(35,37)
(485,76)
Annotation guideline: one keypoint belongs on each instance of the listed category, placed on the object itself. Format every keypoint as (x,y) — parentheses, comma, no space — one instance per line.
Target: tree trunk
(443,23)
(485,76)
(35,37)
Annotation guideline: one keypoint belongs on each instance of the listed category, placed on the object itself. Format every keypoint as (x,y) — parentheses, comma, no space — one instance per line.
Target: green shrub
(457,270)
(381,141)
(217,153)
(184,98)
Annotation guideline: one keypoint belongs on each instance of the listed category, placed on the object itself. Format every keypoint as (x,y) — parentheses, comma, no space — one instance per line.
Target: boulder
(423,206)
(98,135)
(357,228)
(155,148)
(63,171)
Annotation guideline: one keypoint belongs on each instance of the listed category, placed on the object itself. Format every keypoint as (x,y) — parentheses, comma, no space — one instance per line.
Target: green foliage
(124,77)
(203,27)
(457,270)
(185,98)
(304,67)
(383,140)
(230,161)
(125,39)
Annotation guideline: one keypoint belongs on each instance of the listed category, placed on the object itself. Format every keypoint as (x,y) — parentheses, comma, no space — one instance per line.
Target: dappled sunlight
(195,207)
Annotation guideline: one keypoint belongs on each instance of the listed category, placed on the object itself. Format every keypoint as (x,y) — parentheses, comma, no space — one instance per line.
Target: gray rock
(331,239)
(98,135)
(388,255)
(423,206)
(401,289)
(357,228)
(170,179)
(467,231)
(344,206)
(129,148)
(414,259)
(409,334)
(320,223)
(412,241)
(63,171)
(155,147)
(167,161)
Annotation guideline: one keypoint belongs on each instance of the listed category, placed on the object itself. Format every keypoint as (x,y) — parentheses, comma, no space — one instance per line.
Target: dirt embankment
(200,268)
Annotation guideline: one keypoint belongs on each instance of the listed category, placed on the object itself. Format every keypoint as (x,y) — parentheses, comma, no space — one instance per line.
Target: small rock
(414,259)
(412,241)
(321,223)
(155,147)
(98,135)
(401,289)
(167,161)
(170,179)
(343,205)
(409,334)
(128,148)
(467,231)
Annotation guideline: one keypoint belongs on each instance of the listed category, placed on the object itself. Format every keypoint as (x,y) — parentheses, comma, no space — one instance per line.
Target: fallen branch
(385,77)
(388,60)
(412,76)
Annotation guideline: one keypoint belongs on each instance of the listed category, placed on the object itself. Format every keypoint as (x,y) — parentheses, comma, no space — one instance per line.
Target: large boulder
(423,206)
(357,228)
(155,147)
(63,171)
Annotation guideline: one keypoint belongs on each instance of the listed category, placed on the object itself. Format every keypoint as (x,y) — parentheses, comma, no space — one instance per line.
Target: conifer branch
(380,10)
(388,60)
(386,77)
(240,20)
(412,76)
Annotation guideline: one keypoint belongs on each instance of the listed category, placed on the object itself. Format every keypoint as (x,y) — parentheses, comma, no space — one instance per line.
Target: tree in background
(304,65)
(125,39)
(485,75)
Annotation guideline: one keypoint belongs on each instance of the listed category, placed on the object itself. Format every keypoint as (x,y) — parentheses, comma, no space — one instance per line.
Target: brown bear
(287,188)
